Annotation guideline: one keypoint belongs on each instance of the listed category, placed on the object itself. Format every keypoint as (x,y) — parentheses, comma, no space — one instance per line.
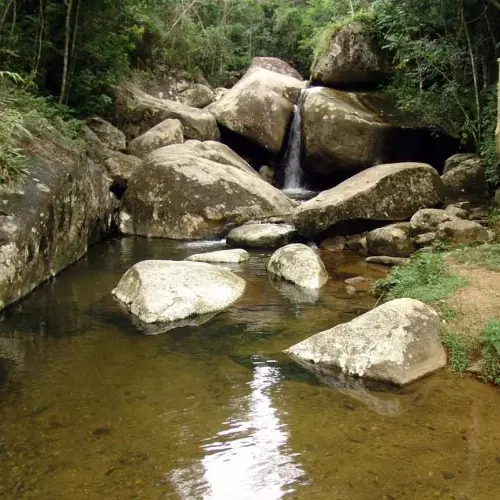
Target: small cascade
(294,175)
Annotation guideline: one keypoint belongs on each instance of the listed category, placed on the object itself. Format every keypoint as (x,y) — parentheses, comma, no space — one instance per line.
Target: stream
(92,409)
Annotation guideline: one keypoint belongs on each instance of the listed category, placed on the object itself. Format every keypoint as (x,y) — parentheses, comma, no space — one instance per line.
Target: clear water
(91,409)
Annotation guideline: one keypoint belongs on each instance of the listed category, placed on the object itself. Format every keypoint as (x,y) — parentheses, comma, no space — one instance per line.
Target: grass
(485,255)
(490,340)
(459,349)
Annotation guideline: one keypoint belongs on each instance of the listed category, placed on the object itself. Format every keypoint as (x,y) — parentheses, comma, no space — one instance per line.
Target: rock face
(194,191)
(236,256)
(352,59)
(261,235)
(164,134)
(162,291)
(386,192)
(276,65)
(462,232)
(115,163)
(197,96)
(48,222)
(390,240)
(427,220)
(464,179)
(259,107)
(345,132)
(397,342)
(299,264)
(108,134)
(138,112)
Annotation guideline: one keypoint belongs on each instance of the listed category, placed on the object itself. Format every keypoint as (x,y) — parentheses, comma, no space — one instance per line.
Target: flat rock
(261,235)
(397,342)
(386,260)
(162,291)
(298,264)
(236,256)
(392,192)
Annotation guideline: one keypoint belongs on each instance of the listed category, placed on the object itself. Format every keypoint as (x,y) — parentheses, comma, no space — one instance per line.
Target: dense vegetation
(445,51)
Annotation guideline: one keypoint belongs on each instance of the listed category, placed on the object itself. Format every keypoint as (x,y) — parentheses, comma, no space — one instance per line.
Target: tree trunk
(497,132)
(67,37)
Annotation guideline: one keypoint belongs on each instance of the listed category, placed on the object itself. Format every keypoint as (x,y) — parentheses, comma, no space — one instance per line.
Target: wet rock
(197,96)
(357,243)
(194,191)
(464,178)
(335,244)
(298,264)
(391,241)
(462,232)
(261,235)
(357,280)
(387,260)
(236,256)
(158,292)
(428,219)
(293,293)
(138,112)
(374,194)
(352,58)
(397,342)
(276,65)
(259,107)
(108,134)
(165,133)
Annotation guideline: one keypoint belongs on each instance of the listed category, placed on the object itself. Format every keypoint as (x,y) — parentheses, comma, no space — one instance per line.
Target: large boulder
(259,107)
(462,232)
(464,179)
(167,132)
(392,192)
(276,65)
(107,133)
(50,219)
(351,58)
(138,112)
(261,235)
(345,132)
(162,291)
(298,264)
(197,96)
(195,191)
(392,240)
(397,342)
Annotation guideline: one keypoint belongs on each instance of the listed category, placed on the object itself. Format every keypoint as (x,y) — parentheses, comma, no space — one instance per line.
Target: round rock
(261,235)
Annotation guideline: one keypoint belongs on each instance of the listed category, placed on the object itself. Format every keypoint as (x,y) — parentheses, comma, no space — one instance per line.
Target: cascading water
(294,175)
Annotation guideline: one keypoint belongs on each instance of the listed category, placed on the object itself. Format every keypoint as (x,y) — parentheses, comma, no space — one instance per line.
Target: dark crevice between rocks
(118,186)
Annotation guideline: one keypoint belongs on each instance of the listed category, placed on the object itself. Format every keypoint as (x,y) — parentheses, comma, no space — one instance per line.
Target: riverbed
(90,408)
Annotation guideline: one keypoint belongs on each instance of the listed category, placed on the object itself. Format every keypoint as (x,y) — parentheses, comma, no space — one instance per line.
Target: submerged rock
(108,134)
(261,235)
(165,133)
(195,191)
(386,192)
(352,58)
(236,256)
(397,342)
(259,107)
(298,264)
(162,291)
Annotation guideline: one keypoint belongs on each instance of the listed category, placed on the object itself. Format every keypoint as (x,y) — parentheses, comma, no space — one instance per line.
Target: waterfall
(294,175)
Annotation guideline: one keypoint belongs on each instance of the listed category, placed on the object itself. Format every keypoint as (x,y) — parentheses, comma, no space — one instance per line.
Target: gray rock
(298,264)
(236,256)
(425,239)
(464,178)
(335,244)
(455,211)
(276,65)
(138,112)
(496,199)
(357,243)
(197,96)
(261,235)
(268,174)
(259,107)
(462,232)
(351,58)
(390,240)
(195,191)
(428,219)
(387,260)
(162,291)
(167,132)
(374,194)
(108,134)
(397,342)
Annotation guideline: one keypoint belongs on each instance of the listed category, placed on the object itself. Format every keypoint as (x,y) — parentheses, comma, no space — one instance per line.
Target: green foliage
(459,349)
(487,147)
(490,340)
(426,277)
(483,255)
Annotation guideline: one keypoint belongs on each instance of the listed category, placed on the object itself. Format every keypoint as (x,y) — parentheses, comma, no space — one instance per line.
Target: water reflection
(250,457)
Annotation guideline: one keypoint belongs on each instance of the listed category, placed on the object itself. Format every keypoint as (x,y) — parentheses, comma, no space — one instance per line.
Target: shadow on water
(91,408)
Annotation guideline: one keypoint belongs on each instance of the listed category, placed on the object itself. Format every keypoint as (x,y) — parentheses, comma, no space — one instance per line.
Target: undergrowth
(459,349)
(485,255)
(490,340)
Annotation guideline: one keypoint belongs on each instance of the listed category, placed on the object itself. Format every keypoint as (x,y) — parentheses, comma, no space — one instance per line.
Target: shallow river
(92,409)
